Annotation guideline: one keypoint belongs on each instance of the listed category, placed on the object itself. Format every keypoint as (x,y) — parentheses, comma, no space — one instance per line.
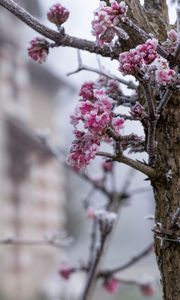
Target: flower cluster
(58,14)
(106,19)
(94,115)
(131,61)
(83,150)
(145,61)
(38,50)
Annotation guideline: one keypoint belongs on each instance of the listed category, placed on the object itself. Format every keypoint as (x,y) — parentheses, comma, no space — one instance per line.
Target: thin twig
(82,67)
(147,170)
(131,262)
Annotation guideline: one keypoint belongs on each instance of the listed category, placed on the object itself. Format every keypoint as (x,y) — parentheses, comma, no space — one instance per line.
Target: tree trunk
(167,196)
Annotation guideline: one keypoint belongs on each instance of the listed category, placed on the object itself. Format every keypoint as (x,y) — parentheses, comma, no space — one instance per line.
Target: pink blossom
(96,123)
(86,91)
(83,150)
(147,290)
(111,285)
(131,61)
(118,123)
(107,166)
(105,19)
(38,50)
(148,51)
(164,76)
(58,14)
(65,271)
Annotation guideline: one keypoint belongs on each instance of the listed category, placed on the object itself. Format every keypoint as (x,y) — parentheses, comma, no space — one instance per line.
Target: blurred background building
(32,193)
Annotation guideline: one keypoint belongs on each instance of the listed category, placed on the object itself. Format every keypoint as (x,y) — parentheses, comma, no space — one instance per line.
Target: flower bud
(65,271)
(111,285)
(58,14)
(38,50)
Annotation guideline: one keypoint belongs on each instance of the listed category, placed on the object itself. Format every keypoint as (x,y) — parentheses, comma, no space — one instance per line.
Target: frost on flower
(58,14)
(38,50)
(160,73)
(106,19)
(131,61)
(93,115)
(83,150)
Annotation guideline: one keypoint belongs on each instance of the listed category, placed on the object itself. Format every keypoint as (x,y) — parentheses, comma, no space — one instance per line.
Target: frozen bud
(137,111)
(107,166)
(38,50)
(111,285)
(147,289)
(58,14)
(65,271)
(87,91)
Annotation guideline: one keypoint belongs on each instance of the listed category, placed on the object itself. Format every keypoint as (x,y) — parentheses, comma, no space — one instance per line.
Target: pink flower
(131,61)
(164,76)
(65,271)
(118,123)
(58,14)
(83,150)
(105,20)
(38,50)
(148,51)
(107,166)
(147,290)
(111,285)
(87,91)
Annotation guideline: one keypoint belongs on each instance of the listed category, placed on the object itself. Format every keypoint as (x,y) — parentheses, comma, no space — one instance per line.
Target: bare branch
(147,170)
(82,67)
(131,262)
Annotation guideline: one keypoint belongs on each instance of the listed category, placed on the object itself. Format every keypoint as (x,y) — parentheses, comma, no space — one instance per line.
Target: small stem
(130,263)
(91,281)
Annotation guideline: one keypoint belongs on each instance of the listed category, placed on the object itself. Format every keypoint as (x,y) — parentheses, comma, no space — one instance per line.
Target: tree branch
(131,262)
(145,169)
(82,67)
(59,38)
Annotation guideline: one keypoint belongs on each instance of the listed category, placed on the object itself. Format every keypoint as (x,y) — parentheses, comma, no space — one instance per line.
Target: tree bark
(167,197)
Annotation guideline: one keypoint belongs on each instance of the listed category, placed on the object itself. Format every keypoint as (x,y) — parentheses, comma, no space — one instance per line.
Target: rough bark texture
(167,197)
(167,185)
